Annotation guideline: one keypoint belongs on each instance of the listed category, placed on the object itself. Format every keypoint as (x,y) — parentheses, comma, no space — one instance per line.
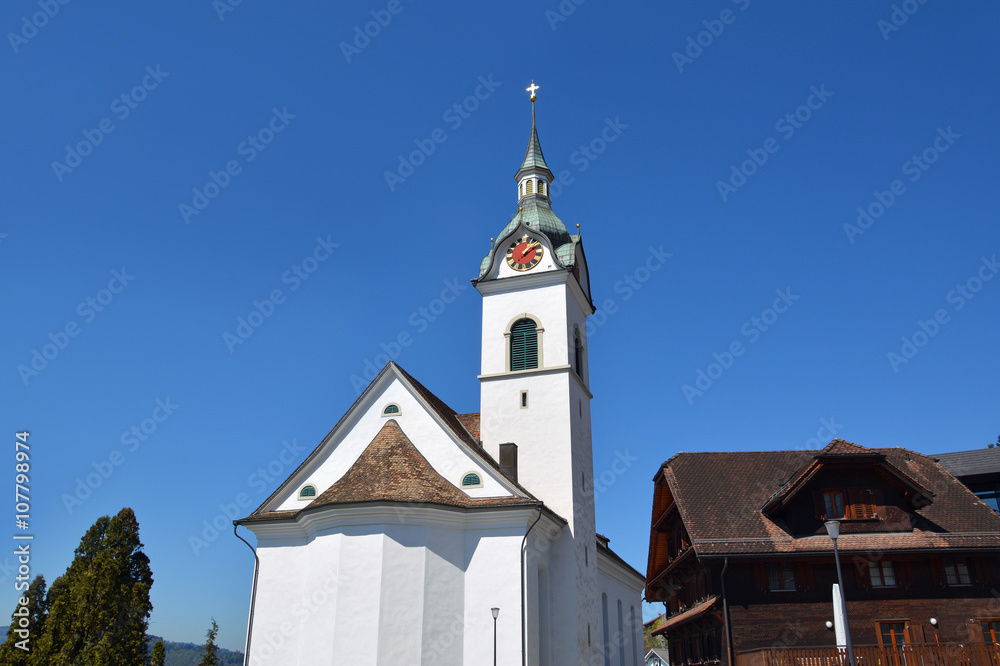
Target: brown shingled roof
(471,423)
(720,496)
(391,469)
(459,425)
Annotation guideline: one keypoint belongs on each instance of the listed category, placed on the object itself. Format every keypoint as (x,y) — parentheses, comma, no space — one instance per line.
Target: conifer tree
(209,657)
(159,654)
(19,646)
(99,609)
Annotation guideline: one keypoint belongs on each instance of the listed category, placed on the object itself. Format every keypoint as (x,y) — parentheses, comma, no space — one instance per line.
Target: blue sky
(738,137)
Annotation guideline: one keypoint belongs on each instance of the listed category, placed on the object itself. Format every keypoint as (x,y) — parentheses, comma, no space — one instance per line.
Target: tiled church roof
(391,469)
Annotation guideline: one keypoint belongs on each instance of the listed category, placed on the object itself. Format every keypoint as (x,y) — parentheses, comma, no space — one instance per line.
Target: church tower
(535,389)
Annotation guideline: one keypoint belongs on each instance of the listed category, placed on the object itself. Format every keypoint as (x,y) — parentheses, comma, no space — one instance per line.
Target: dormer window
(847,504)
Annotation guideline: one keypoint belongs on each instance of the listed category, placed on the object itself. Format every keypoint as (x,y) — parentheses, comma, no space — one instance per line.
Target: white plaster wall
(370,590)
(547,303)
(619,586)
(493,579)
(423,430)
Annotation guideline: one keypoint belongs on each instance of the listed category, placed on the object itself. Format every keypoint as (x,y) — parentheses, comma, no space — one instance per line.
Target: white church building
(398,537)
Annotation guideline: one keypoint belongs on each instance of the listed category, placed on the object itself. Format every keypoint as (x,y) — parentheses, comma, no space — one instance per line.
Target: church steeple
(534,176)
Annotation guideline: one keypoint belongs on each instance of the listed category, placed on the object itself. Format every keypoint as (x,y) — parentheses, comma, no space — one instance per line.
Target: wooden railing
(876,655)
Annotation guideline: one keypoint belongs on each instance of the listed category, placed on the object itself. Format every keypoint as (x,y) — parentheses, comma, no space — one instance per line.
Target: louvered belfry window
(523,345)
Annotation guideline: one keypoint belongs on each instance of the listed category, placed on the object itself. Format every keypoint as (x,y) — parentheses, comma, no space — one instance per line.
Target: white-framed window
(307,492)
(392,409)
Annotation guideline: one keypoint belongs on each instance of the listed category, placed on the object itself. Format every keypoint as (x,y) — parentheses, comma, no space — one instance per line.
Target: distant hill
(189,654)
(181,654)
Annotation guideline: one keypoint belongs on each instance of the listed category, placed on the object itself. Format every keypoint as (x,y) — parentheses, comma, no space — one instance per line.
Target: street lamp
(495,611)
(833,529)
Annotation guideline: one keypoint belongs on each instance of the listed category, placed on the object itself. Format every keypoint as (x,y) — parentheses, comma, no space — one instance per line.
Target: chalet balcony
(983,654)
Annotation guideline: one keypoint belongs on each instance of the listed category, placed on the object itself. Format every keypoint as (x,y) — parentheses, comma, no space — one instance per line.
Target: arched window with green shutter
(523,345)
(471,480)
(307,492)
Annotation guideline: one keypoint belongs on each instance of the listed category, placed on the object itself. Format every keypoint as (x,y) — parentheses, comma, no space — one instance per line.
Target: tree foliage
(159,654)
(98,611)
(209,656)
(25,626)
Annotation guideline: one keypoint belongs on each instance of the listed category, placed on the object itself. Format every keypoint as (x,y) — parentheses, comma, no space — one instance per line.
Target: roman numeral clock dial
(524,253)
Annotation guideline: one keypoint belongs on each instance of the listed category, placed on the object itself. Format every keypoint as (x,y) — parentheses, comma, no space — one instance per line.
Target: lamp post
(833,529)
(495,611)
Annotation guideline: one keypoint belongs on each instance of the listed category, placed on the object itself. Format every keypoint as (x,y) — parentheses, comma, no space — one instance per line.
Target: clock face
(524,253)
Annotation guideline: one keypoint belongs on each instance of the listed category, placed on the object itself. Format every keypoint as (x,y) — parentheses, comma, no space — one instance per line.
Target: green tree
(208,657)
(99,609)
(159,654)
(18,647)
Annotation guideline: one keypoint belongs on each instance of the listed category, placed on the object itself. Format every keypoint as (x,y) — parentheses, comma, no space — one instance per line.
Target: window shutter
(979,570)
(864,578)
(916,632)
(878,503)
(862,504)
(523,345)
(820,505)
(803,576)
(904,573)
(760,576)
(938,573)
(975,632)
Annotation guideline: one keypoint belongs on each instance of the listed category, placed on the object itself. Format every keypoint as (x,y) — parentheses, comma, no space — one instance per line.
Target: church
(413,534)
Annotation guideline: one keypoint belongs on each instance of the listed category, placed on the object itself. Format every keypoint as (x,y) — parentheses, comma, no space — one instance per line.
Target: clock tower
(535,387)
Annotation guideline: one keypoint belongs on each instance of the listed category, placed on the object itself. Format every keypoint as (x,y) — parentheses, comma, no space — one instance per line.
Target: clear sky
(167,165)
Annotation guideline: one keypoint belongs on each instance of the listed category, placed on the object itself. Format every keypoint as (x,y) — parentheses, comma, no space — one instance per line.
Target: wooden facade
(751,583)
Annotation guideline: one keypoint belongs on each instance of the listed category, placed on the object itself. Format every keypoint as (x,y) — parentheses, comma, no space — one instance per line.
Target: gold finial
(531,89)
(492,240)
(577,225)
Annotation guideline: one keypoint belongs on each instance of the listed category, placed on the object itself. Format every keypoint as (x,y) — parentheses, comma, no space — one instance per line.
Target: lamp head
(934,621)
(833,528)
(495,611)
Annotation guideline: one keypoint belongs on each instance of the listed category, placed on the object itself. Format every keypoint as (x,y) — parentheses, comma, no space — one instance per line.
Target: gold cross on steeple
(532,88)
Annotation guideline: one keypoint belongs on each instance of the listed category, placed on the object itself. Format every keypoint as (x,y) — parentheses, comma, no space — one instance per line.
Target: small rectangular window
(882,574)
(892,633)
(524,399)
(957,571)
(781,576)
(833,500)
(991,631)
